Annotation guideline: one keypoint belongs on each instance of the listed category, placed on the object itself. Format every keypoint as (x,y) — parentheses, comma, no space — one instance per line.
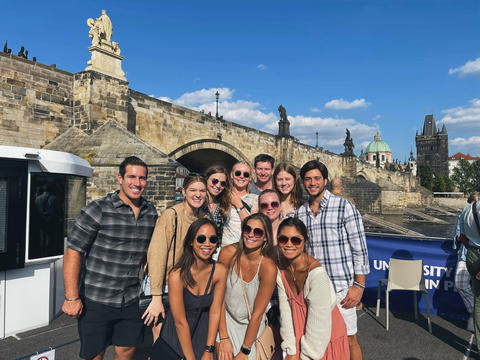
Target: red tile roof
(460,156)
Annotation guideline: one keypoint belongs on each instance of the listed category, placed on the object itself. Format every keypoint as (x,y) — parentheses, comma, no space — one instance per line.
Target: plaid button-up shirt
(114,245)
(337,239)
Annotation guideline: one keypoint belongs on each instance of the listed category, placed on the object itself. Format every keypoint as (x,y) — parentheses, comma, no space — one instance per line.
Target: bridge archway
(198,155)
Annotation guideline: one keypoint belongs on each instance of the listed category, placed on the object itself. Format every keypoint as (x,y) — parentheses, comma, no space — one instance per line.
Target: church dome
(377,145)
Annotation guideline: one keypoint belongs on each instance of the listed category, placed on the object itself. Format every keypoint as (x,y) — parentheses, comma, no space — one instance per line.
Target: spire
(429,127)
(444,129)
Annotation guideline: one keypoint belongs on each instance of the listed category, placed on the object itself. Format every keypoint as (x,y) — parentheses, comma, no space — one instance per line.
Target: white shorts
(349,315)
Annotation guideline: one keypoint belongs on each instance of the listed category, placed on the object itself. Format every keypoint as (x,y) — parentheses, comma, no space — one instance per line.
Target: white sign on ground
(47,355)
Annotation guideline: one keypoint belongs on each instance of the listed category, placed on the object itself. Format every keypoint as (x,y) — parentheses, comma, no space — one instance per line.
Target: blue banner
(439,263)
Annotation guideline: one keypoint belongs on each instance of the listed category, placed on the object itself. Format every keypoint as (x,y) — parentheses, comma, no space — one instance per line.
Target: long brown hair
(224,197)
(267,249)
(296,193)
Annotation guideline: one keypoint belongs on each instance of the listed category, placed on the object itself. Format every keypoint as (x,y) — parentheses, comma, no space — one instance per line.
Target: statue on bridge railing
(348,144)
(101,31)
(283,124)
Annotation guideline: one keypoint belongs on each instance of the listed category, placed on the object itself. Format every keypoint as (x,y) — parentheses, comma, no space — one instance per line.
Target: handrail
(407,236)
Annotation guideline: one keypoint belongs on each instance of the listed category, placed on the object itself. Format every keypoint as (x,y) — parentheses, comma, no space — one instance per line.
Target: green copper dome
(377,145)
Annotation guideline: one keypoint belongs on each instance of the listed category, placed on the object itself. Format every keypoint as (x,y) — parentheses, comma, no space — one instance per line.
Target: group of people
(238,270)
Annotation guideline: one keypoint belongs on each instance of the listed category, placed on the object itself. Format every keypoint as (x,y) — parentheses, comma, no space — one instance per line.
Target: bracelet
(240,209)
(72,299)
(357,284)
(210,348)
(224,338)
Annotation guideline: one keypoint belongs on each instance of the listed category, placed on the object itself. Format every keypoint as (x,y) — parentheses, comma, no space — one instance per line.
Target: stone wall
(35,102)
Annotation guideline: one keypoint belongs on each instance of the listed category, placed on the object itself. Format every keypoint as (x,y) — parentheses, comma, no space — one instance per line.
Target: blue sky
(363,65)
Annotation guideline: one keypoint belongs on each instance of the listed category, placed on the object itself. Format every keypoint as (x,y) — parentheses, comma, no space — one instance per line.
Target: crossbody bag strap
(475,215)
(205,293)
(174,238)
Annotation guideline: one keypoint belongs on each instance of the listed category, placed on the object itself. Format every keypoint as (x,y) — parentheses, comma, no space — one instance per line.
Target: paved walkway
(407,339)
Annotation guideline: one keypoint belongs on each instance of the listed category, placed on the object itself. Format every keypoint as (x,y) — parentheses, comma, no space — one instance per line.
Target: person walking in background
(242,202)
(196,291)
(166,246)
(263,165)
(463,280)
(269,205)
(251,279)
(285,182)
(337,189)
(217,206)
(338,242)
(311,325)
(108,231)
(470,238)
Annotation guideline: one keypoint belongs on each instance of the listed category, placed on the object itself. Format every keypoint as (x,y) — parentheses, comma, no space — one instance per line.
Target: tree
(449,185)
(463,175)
(439,183)
(426,177)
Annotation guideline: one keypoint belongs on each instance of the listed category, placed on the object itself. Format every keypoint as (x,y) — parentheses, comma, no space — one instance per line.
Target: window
(374,157)
(55,201)
(383,157)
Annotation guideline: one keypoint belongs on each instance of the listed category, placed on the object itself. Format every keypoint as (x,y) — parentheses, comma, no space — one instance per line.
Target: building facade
(377,149)
(454,160)
(432,147)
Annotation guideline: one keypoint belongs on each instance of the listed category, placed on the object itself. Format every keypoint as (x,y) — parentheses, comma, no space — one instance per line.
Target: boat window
(55,201)
(3,214)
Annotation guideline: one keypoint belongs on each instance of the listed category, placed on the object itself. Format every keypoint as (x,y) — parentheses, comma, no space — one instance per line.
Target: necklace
(292,271)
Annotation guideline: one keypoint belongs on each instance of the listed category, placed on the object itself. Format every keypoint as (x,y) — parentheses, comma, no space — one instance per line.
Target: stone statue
(21,53)
(101,30)
(283,124)
(348,144)
(283,113)
(5,47)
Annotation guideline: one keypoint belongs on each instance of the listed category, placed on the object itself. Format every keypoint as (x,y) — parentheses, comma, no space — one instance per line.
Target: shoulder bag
(144,300)
(162,349)
(265,343)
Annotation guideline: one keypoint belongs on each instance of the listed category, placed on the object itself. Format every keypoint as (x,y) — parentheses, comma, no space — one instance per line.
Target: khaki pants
(473,267)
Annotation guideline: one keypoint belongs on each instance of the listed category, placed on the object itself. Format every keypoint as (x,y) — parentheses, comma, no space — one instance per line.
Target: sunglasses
(202,238)
(216,181)
(295,240)
(273,204)
(239,173)
(257,232)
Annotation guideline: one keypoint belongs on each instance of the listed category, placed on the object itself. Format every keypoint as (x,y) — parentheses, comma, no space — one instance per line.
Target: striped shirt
(337,239)
(114,245)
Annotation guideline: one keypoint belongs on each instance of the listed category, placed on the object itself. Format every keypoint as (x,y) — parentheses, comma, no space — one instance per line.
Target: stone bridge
(101,119)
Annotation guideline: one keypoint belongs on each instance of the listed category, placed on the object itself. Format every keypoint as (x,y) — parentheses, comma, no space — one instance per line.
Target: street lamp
(217,95)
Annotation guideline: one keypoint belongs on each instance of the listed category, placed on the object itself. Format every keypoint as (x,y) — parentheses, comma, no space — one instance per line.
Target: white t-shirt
(232,229)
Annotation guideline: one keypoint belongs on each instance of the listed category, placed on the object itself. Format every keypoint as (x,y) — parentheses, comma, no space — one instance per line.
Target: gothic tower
(432,147)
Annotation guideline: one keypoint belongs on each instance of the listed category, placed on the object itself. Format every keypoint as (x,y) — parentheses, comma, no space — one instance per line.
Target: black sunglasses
(257,232)
(273,204)
(295,240)
(239,173)
(216,181)
(202,238)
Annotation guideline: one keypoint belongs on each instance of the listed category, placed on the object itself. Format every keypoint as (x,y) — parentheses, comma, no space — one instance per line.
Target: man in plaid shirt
(337,241)
(108,244)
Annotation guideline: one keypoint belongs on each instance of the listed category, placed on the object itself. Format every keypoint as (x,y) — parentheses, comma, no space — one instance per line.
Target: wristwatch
(210,348)
(240,209)
(245,350)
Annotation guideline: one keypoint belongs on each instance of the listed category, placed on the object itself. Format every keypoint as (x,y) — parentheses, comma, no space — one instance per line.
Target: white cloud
(165,98)
(316,110)
(262,67)
(342,104)
(470,68)
(471,145)
(203,96)
(466,118)
(376,117)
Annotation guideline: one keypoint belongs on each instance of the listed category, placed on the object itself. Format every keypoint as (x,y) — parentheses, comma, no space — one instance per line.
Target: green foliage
(439,183)
(449,185)
(426,177)
(465,175)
